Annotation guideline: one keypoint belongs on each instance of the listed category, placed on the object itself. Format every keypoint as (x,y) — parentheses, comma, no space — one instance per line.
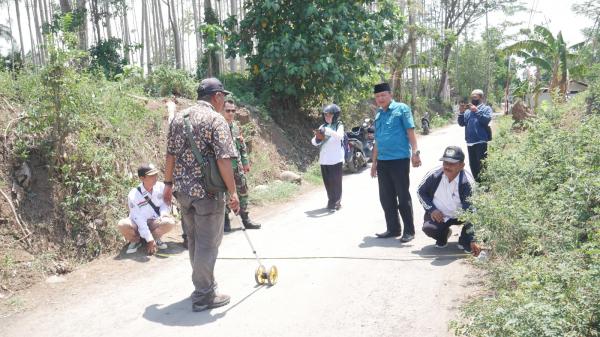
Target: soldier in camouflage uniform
(238,170)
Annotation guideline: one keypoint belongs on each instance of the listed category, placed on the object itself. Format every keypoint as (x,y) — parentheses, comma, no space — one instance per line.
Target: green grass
(313,174)
(275,192)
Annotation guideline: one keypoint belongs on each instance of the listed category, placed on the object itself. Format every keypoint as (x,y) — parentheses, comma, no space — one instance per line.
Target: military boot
(227,224)
(248,224)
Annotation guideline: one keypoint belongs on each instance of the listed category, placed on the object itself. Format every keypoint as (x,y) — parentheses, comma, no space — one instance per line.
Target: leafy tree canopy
(305,50)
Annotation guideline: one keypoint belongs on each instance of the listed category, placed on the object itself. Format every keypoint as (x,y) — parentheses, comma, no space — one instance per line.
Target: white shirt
(332,151)
(140,211)
(446,198)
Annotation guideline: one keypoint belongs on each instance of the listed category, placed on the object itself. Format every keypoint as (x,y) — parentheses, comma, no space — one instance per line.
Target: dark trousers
(394,196)
(332,179)
(477,153)
(439,230)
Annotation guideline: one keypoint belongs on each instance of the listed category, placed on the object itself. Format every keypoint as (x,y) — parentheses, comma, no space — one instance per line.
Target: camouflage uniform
(240,178)
(238,170)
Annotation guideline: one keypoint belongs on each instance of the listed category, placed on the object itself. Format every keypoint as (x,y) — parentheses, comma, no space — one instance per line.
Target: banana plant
(549,53)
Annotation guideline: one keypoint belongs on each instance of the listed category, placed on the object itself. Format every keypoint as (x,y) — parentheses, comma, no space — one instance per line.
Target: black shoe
(387,234)
(211,302)
(185,241)
(252,225)
(407,238)
(248,224)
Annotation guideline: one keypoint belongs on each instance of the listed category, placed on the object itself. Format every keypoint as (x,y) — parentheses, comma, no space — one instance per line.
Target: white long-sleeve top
(332,151)
(140,211)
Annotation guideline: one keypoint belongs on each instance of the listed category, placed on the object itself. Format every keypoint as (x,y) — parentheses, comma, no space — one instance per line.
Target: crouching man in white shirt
(149,216)
(443,193)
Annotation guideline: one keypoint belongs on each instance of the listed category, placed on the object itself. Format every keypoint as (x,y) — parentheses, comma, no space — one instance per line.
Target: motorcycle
(359,147)
(425,124)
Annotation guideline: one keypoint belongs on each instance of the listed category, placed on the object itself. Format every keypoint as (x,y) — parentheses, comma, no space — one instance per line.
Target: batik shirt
(212,137)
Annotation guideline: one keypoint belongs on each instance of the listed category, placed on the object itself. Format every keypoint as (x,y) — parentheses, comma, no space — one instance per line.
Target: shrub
(166,81)
(539,209)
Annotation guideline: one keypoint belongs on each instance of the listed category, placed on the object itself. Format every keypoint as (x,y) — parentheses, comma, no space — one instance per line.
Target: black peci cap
(381,87)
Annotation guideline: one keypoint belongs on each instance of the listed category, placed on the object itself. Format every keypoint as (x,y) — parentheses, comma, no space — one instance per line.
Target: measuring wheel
(260,276)
(273,275)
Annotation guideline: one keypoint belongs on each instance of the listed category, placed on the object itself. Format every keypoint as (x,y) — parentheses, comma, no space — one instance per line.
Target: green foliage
(539,209)
(89,133)
(105,56)
(212,34)
(313,174)
(165,81)
(298,52)
(548,53)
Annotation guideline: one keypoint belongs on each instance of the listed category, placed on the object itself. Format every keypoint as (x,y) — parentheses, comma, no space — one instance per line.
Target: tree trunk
(65,6)
(413,54)
(46,15)
(440,95)
(140,37)
(155,40)
(82,31)
(163,34)
(20,31)
(126,37)
(34,56)
(107,15)
(177,42)
(182,40)
(38,31)
(197,33)
(146,35)
(234,11)
(96,20)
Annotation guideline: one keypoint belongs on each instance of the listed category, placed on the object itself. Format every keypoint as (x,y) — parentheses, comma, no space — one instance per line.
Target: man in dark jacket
(476,120)
(443,192)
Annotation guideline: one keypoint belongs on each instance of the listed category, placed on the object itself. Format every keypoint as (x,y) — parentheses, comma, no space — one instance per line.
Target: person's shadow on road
(181,314)
(440,256)
(174,248)
(373,241)
(319,213)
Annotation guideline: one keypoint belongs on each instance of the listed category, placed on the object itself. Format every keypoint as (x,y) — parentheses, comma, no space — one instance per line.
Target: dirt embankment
(34,242)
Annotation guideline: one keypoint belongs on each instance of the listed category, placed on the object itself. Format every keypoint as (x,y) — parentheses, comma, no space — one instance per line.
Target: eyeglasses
(230,110)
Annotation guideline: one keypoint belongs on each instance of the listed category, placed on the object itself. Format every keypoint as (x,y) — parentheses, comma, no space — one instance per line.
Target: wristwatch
(417,153)
(168,183)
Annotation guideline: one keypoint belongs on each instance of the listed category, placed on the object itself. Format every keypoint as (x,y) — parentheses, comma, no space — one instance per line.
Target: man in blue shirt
(394,150)
(476,120)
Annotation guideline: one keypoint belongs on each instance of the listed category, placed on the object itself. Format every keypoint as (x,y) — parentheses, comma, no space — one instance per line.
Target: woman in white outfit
(329,137)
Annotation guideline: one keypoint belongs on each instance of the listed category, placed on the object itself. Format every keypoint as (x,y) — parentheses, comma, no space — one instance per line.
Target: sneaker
(407,238)
(160,244)
(439,244)
(211,302)
(133,247)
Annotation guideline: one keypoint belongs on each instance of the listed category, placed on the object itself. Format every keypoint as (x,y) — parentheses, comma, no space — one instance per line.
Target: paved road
(336,278)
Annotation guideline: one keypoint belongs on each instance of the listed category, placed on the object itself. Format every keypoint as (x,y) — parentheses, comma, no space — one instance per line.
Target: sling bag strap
(156,209)
(188,132)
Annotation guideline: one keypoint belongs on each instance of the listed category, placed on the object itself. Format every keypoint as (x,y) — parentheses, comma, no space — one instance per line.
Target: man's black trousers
(393,178)
(332,179)
(477,153)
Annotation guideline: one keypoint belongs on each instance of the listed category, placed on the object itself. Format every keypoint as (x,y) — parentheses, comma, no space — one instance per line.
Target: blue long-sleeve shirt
(476,124)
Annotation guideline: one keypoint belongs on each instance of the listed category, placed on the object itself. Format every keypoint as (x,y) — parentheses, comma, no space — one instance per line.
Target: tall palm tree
(549,53)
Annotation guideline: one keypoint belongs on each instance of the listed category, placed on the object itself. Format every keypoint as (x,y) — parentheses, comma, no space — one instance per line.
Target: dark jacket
(476,124)
(430,183)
